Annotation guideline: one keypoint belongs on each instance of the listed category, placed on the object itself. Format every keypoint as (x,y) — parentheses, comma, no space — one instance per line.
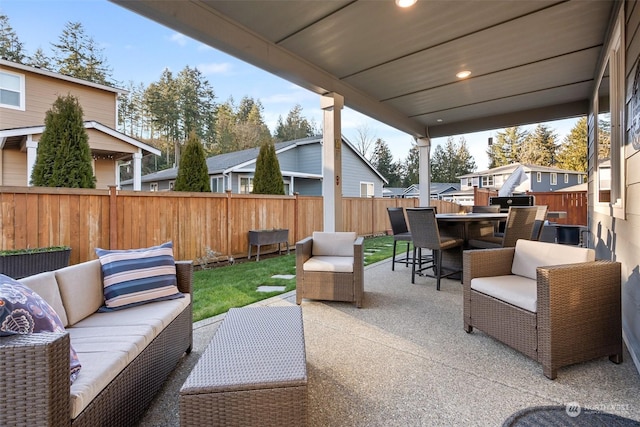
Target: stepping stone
(271,288)
(283,276)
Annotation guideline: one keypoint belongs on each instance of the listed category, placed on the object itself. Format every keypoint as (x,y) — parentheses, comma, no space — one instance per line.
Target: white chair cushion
(336,264)
(531,254)
(333,244)
(516,290)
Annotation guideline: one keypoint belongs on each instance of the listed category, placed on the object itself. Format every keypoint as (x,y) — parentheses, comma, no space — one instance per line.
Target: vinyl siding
(104,172)
(14,168)
(42,91)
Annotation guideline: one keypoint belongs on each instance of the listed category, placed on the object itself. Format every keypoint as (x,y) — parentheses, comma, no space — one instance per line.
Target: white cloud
(179,39)
(215,68)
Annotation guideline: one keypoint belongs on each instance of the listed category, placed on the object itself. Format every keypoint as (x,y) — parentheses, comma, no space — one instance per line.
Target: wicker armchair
(574,313)
(330,267)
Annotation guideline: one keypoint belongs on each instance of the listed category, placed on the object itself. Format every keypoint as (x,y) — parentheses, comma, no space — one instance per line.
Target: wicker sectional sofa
(126,355)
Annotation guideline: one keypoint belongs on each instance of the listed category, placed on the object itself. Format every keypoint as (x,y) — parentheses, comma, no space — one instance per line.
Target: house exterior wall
(615,236)
(42,91)
(103,170)
(307,187)
(14,168)
(355,172)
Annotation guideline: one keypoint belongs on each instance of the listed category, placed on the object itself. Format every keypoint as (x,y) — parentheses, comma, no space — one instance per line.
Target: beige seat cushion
(81,289)
(333,244)
(45,285)
(531,254)
(336,264)
(516,290)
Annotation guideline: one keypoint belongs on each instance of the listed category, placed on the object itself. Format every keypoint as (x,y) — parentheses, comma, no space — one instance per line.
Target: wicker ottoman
(254,372)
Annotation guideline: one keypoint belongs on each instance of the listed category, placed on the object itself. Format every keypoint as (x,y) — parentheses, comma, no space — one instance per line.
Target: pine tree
(383,162)
(539,148)
(448,163)
(267,178)
(295,126)
(78,56)
(11,47)
(412,166)
(193,174)
(505,149)
(64,158)
(572,154)
(40,60)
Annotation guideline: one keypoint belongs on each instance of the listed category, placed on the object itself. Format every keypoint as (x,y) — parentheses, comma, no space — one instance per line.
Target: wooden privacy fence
(33,217)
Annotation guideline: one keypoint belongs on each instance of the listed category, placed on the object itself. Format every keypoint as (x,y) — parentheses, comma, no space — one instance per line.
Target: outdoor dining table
(468,223)
(466,226)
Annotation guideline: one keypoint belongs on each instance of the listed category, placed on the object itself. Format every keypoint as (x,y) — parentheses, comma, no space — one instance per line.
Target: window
(566,178)
(11,90)
(487,180)
(217,184)
(246,185)
(366,189)
(609,127)
(538,176)
(287,188)
(171,185)
(553,178)
(579,179)
(153,186)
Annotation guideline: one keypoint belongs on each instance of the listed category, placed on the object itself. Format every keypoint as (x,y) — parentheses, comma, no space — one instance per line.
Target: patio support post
(137,171)
(32,148)
(331,105)
(424,174)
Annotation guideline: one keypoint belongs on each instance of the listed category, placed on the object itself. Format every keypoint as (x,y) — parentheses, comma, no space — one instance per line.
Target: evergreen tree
(268,177)
(572,154)
(193,174)
(412,166)
(77,55)
(40,60)
(64,158)
(505,149)
(11,47)
(448,163)
(539,148)
(295,126)
(383,162)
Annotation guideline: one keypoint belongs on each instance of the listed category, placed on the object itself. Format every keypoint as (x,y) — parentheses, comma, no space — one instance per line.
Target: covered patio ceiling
(530,61)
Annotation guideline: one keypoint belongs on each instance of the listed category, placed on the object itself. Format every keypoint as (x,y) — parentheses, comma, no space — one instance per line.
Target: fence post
(295,216)
(228,191)
(113,217)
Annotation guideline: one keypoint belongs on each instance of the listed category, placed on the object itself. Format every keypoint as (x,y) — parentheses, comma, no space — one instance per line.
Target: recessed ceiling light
(405,3)
(463,74)
(439,120)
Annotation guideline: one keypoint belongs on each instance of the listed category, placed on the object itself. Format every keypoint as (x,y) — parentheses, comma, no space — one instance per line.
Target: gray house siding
(307,187)
(289,160)
(310,158)
(355,172)
(545,181)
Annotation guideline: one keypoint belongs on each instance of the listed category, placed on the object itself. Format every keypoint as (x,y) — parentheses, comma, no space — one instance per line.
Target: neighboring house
(539,178)
(393,192)
(449,192)
(27,93)
(300,164)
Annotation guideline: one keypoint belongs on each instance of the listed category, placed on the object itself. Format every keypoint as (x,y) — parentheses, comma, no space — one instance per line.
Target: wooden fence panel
(82,219)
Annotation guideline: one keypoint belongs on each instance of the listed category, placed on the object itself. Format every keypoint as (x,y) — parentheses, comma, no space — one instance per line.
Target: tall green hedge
(268,178)
(64,158)
(193,174)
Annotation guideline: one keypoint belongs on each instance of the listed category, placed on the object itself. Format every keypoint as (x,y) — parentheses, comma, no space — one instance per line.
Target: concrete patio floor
(405,360)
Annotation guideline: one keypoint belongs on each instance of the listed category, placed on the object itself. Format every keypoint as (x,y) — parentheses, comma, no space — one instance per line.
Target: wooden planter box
(268,237)
(26,264)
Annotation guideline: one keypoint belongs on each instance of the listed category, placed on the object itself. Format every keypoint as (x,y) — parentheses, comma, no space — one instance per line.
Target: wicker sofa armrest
(184,275)
(35,379)
(579,313)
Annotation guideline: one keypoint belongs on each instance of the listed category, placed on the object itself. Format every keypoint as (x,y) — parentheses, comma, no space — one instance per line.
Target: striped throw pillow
(138,276)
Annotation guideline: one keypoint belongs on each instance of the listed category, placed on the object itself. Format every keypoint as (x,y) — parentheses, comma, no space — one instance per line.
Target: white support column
(32,151)
(332,105)
(424,174)
(137,171)
(117,177)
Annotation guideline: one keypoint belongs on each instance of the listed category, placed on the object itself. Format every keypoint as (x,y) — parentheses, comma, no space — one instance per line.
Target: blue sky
(138,50)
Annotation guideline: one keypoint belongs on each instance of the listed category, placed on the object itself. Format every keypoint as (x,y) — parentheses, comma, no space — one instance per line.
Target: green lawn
(216,290)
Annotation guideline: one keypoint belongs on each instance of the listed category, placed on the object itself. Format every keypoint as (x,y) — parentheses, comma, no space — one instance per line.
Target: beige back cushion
(45,285)
(81,289)
(531,254)
(333,244)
